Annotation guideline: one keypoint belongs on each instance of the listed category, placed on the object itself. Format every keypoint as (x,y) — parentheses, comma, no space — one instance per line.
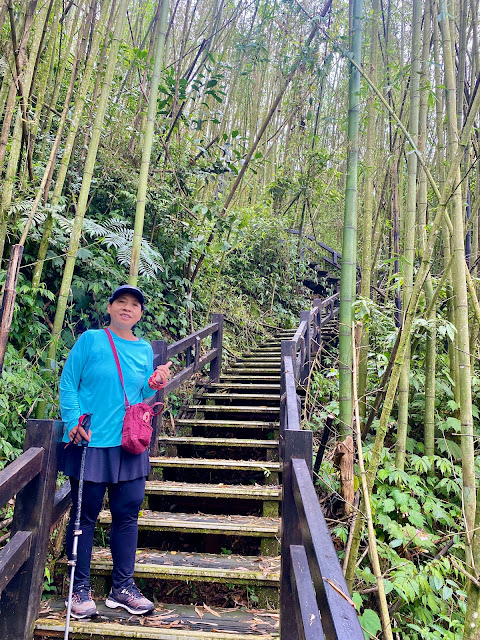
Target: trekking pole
(84,422)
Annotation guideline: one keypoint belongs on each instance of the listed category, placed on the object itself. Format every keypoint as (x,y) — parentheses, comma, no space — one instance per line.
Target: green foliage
(415,514)
(20,387)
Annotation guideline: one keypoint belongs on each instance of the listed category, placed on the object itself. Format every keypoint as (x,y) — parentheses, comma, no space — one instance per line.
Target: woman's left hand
(162,372)
(160,376)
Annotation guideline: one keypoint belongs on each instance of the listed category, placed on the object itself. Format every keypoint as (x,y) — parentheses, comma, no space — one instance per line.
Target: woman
(90,383)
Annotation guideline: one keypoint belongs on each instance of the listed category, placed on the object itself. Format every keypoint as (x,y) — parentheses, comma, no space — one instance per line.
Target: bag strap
(156,413)
(117,362)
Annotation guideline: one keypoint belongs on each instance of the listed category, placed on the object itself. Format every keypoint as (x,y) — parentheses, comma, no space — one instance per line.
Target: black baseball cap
(126,288)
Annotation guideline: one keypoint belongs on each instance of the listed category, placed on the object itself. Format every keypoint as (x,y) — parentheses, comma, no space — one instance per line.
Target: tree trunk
(409,229)
(349,244)
(368,204)
(147,146)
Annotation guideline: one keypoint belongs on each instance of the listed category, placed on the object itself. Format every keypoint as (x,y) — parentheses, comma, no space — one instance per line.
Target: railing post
(297,444)
(307,365)
(159,357)
(217,343)
(317,323)
(20,601)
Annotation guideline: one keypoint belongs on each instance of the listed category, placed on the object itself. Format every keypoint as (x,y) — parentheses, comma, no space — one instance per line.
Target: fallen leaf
(199,612)
(338,590)
(214,613)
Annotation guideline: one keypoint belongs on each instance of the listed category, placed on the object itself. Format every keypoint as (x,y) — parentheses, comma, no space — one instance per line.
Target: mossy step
(218,442)
(239,396)
(258,362)
(274,342)
(258,380)
(238,386)
(246,364)
(254,372)
(232,409)
(200,567)
(267,350)
(167,622)
(262,356)
(201,463)
(253,526)
(237,491)
(237,424)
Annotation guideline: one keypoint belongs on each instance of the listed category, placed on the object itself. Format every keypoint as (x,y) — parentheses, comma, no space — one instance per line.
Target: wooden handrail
(308,618)
(194,362)
(336,257)
(19,473)
(22,561)
(185,343)
(338,614)
(13,555)
(311,576)
(291,409)
(300,333)
(186,374)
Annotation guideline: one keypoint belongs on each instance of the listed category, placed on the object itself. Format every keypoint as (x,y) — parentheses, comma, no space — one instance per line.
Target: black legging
(125,500)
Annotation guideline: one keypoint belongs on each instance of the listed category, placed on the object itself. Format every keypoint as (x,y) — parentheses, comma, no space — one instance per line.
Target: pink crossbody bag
(137,423)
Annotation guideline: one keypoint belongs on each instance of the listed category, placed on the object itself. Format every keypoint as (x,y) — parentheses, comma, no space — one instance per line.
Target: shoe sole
(113,604)
(84,615)
(79,616)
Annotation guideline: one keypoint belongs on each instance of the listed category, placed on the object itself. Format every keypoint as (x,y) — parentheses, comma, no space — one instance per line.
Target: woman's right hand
(78,433)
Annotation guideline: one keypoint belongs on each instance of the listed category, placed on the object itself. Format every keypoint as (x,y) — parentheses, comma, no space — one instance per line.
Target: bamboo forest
(242,162)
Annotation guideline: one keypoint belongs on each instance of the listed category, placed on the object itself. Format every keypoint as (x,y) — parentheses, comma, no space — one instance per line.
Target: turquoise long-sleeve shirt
(90,384)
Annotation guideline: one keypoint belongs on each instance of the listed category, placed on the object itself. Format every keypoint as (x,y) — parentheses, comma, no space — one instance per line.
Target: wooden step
(196,490)
(218,442)
(253,372)
(246,378)
(167,622)
(254,365)
(182,565)
(273,360)
(275,397)
(214,464)
(252,526)
(237,424)
(260,355)
(232,409)
(266,349)
(238,386)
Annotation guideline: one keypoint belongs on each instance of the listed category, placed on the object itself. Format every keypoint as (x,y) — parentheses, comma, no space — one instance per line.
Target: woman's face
(125,311)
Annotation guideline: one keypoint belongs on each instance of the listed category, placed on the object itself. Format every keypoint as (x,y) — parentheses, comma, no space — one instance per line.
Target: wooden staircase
(211,515)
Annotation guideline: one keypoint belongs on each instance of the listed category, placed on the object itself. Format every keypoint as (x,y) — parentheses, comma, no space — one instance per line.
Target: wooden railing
(32,479)
(334,258)
(193,361)
(314,598)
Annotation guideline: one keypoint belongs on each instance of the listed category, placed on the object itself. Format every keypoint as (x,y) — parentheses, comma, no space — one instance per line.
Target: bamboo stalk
(372,540)
(147,147)
(349,243)
(8,301)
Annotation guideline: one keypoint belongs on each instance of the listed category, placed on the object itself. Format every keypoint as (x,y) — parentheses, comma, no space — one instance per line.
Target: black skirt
(107,464)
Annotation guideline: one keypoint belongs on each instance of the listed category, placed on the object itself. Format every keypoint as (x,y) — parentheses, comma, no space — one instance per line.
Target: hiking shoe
(131,599)
(82,604)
